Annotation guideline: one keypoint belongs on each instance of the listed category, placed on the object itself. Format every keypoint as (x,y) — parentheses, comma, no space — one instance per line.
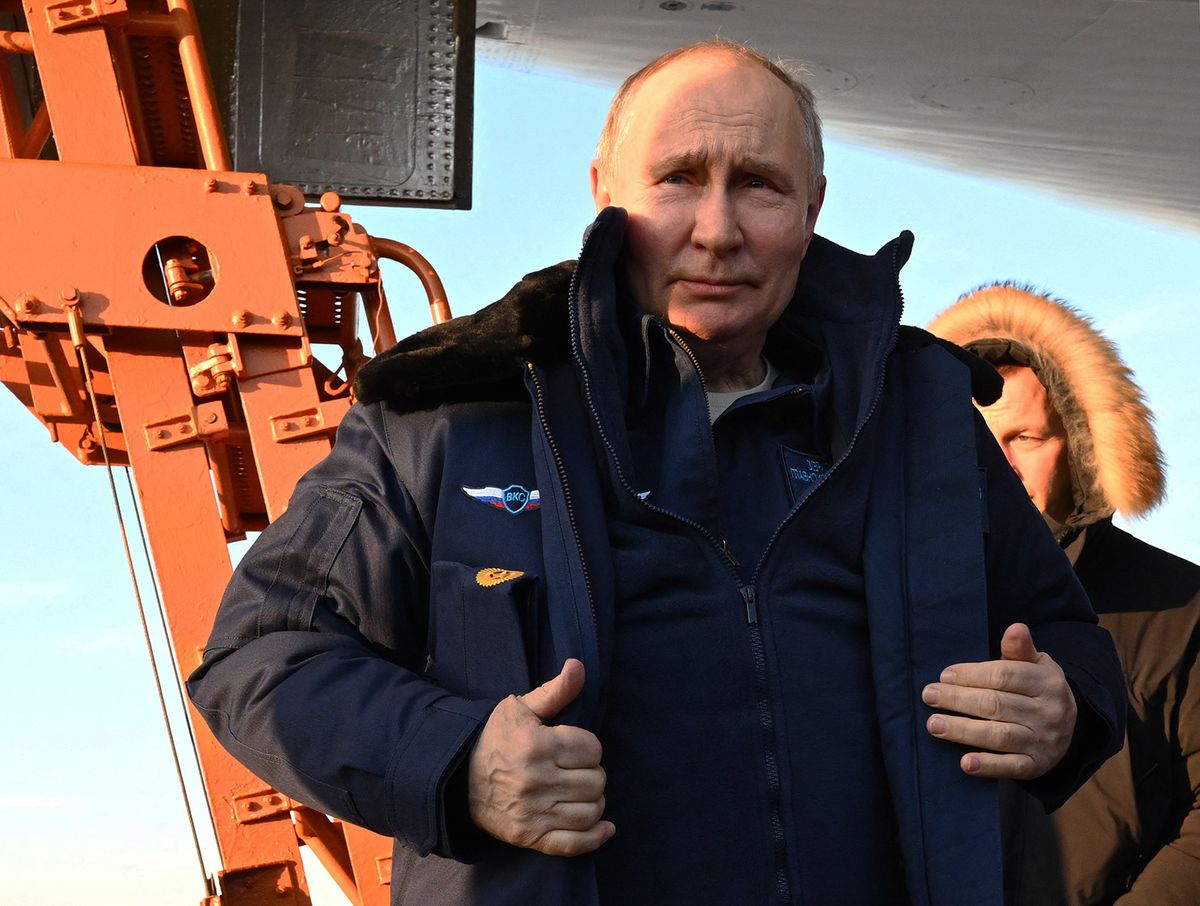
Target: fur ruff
(1115,458)
(479,356)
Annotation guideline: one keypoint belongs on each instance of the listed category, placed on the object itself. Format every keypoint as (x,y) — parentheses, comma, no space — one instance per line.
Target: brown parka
(1131,834)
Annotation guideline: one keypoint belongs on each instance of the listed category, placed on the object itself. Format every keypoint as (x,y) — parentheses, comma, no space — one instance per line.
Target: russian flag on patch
(513,499)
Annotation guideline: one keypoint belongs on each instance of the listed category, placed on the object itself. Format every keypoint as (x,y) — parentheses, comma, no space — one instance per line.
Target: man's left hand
(1019,708)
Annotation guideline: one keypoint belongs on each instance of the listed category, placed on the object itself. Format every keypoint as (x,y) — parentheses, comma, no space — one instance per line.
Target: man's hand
(538,786)
(1025,708)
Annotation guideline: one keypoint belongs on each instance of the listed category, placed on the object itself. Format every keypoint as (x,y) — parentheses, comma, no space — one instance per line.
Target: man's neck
(724,373)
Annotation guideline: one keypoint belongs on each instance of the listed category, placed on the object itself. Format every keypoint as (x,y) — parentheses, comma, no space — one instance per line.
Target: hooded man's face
(1033,439)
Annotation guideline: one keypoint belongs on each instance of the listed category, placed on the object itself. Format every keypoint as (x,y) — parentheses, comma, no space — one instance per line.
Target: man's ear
(600,193)
(814,207)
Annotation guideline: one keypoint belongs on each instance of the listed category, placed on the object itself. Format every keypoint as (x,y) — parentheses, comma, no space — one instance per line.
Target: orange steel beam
(192,565)
(216,387)
(12,128)
(37,134)
(76,72)
(328,844)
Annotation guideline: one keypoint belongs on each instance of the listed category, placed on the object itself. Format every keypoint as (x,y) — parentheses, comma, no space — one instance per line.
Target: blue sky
(90,806)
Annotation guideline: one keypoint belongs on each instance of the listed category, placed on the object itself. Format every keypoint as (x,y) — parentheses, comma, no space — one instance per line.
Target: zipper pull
(751,611)
(729,553)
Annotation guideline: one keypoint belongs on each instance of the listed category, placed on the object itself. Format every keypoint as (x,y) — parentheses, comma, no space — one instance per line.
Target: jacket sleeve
(312,675)
(1031,581)
(1172,876)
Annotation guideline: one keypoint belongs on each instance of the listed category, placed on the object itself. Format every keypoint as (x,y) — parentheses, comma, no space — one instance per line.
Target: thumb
(549,698)
(1017,644)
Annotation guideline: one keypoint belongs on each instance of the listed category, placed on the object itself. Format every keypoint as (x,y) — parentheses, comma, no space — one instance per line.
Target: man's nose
(716,227)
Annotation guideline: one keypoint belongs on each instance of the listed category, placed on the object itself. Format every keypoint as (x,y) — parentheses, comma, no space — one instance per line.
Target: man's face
(712,169)
(1032,437)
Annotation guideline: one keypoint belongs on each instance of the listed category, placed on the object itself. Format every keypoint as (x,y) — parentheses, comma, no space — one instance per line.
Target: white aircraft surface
(1094,100)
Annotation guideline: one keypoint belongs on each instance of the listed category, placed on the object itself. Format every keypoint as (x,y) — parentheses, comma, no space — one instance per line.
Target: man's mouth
(710,286)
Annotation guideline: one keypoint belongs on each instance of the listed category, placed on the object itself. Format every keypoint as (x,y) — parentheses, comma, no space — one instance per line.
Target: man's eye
(756,183)
(675,179)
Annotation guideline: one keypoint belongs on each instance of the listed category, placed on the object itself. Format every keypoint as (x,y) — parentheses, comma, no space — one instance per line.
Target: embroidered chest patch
(800,471)
(513,499)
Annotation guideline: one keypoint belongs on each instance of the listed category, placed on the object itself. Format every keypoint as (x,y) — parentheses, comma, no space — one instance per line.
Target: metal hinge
(211,374)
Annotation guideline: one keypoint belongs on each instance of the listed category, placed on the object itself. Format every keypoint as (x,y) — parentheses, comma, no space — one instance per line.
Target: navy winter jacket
(366,638)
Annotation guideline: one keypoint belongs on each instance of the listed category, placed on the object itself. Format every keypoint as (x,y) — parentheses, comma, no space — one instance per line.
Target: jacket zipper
(540,404)
(891,344)
(746,591)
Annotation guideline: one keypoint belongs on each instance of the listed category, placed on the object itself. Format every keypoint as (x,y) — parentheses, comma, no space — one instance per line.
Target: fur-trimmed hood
(1116,463)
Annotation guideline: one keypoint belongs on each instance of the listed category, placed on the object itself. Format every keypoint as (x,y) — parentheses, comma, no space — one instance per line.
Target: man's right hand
(537,786)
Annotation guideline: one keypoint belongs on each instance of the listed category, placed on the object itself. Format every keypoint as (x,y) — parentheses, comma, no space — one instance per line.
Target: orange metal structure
(159,311)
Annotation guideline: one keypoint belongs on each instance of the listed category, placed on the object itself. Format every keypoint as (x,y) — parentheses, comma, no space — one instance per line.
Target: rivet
(287,426)
(331,201)
(210,185)
(248,187)
(241,318)
(334,238)
(26,304)
(162,433)
(282,320)
(211,418)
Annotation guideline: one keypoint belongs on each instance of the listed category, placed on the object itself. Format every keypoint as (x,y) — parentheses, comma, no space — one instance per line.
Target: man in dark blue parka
(682,574)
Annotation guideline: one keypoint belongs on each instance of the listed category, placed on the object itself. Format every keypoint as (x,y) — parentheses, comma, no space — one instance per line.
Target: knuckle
(992,705)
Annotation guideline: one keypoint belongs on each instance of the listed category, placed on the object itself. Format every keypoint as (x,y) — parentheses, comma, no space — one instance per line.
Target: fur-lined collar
(479,356)
(1115,457)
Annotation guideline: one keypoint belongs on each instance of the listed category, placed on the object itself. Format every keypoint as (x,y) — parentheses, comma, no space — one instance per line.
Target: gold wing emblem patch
(496,576)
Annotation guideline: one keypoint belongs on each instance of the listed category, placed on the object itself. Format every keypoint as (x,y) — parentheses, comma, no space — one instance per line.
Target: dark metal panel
(372,99)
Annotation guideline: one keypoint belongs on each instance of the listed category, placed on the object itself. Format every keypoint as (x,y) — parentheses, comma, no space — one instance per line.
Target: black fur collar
(479,356)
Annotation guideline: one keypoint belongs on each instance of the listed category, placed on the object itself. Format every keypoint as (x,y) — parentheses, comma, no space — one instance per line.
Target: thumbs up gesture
(1019,709)
(535,785)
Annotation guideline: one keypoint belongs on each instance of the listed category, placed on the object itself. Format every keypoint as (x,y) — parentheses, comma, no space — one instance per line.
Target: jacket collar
(844,301)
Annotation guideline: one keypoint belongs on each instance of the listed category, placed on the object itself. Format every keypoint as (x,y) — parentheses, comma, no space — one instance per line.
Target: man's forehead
(1024,398)
(698,103)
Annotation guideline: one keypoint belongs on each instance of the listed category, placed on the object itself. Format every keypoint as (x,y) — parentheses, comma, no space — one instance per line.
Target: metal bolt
(334,238)
(185,429)
(310,421)
(211,418)
(282,320)
(202,383)
(307,242)
(27,305)
(281,199)
(248,187)
(210,185)
(287,426)
(241,318)
(331,201)
(162,433)
(70,294)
